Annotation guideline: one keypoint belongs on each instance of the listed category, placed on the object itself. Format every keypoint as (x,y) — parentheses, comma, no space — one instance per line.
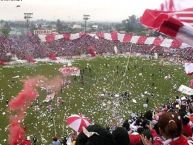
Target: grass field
(141,78)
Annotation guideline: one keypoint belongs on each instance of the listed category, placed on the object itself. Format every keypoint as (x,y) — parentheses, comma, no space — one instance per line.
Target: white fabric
(107,36)
(149,40)
(185,90)
(188,68)
(182,4)
(42,38)
(115,49)
(74,36)
(184,45)
(134,39)
(133,127)
(57,37)
(178,4)
(69,141)
(49,97)
(166,43)
(186,34)
(89,134)
(92,35)
(75,124)
(86,122)
(121,37)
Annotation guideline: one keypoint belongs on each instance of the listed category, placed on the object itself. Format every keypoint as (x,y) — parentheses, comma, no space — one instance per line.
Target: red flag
(52,56)
(175,19)
(91,51)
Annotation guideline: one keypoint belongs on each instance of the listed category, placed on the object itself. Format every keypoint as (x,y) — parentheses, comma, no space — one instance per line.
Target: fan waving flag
(174,18)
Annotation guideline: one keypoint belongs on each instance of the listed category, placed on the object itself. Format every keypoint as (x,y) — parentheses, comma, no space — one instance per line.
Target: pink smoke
(18,106)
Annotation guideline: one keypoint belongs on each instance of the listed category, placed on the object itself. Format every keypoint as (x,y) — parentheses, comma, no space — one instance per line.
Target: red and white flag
(174,18)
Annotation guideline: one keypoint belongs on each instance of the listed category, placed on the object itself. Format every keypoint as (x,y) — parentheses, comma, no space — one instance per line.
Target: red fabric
(2,62)
(157,41)
(141,40)
(135,139)
(187,130)
(127,38)
(26,142)
(171,27)
(66,36)
(176,43)
(162,7)
(181,141)
(52,56)
(50,37)
(72,119)
(153,18)
(82,34)
(172,19)
(91,51)
(100,34)
(161,21)
(171,5)
(82,124)
(191,118)
(191,85)
(123,37)
(114,36)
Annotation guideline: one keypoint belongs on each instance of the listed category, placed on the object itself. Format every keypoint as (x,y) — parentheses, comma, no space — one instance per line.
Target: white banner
(185,90)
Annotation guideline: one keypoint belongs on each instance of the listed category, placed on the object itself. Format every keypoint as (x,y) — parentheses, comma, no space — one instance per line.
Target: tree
(59,26)
(6,29)
(32,27)
(132,24)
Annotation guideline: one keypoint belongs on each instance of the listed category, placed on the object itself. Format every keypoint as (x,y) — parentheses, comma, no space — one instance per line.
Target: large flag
(174,18)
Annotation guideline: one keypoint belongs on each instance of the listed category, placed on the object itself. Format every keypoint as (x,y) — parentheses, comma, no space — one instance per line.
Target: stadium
(91,83)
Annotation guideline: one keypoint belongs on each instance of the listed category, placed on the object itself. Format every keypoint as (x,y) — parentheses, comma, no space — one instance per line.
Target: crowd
(30,46)
(171,124)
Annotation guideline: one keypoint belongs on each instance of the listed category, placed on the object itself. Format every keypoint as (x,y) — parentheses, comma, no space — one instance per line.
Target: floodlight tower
(27,17)
(85,18)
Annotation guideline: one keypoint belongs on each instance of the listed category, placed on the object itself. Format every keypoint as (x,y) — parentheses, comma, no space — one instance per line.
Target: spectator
(170,127)
(96,135)
(56,141)
(120,135)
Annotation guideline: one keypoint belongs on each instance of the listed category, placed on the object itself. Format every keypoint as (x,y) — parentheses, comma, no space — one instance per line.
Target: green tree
(32,27)
(59,26)
(6,30)
(132,24)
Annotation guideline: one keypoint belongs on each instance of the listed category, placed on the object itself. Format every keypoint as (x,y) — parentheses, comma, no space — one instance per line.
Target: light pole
(85,18)
(27,17)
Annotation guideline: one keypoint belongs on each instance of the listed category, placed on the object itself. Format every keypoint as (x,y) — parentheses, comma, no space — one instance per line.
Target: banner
(185,90)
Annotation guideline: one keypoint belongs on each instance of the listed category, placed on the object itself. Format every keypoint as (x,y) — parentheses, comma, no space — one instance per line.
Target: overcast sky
(72,10)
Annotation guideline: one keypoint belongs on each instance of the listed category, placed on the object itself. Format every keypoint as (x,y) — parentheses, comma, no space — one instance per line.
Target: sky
(73,10)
